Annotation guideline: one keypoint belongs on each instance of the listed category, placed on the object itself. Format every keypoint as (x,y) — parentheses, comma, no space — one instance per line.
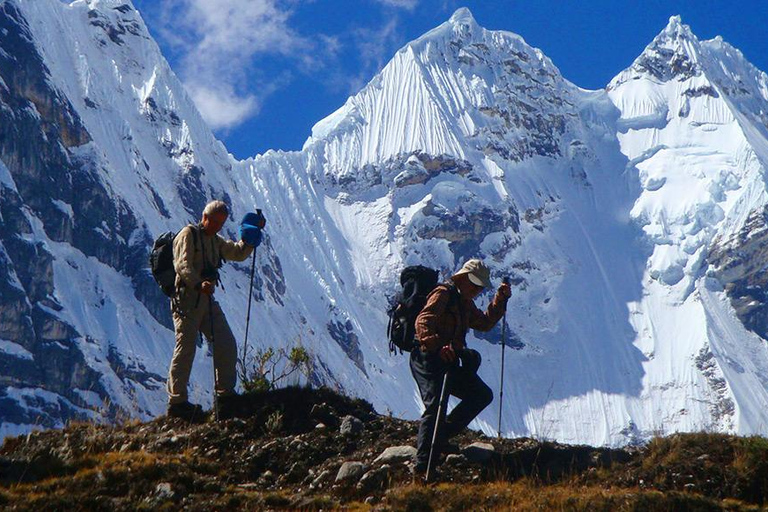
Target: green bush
(268,369)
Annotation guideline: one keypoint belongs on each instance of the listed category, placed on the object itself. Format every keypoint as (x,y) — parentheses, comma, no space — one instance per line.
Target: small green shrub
(268,369)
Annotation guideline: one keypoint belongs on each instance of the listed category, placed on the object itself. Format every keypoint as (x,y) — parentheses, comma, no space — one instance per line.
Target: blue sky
(263,72)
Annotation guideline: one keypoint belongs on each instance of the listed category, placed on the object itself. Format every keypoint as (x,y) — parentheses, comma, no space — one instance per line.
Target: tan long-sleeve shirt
(191,257)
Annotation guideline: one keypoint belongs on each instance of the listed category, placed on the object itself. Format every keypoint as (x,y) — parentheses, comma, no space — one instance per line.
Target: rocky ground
(304,449)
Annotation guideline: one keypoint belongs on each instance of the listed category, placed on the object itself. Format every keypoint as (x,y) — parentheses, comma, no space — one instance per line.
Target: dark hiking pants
(428,371)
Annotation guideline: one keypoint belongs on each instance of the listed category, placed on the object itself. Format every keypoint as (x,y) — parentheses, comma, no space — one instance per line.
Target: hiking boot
(418,472)
(448,448)
(229,406)
(186,411)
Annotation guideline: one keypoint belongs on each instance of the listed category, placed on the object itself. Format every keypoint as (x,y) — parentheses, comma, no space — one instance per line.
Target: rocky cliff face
(47,166)
(739,263)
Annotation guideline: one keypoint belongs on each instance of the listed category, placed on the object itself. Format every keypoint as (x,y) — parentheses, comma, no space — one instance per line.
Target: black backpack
(417,282)
(161,261)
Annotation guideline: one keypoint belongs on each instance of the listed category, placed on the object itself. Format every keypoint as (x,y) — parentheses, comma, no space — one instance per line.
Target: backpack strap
(194,228)
(454,297)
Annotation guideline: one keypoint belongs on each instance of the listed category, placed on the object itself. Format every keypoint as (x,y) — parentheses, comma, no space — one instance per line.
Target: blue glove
(254,219)
(251,235)
(250,232)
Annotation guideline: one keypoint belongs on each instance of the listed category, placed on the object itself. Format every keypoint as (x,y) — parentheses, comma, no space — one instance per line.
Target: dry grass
(525,495)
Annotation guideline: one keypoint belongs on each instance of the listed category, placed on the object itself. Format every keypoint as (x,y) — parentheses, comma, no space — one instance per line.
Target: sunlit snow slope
(630,220)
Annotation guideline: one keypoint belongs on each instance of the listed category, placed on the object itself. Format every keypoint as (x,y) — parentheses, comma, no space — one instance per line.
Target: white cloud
(222,48)
(240,28)
(222,108)
(404,4)
(218,41)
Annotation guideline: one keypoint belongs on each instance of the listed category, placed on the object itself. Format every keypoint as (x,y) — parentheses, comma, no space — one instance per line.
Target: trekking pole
(250,299)
(248,317)
(213,347)
(503,346)
(441,406)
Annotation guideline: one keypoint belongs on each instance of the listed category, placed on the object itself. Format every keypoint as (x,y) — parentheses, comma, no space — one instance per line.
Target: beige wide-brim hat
(477,272)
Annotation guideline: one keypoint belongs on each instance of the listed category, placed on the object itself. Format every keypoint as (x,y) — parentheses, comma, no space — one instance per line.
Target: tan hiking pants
(188,322)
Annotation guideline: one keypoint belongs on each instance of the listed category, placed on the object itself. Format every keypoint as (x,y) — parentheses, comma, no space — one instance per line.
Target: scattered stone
(370,500)
(351,425)
(374,479)
(455,458)
(396,454)
(324,414)
(322,477)
(164,491)
(296,472)
(297,444)
(350,471)
(320,426)
(479,452)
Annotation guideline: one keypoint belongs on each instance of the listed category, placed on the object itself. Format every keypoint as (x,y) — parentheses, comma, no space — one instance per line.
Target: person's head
(473,278)
(214,216)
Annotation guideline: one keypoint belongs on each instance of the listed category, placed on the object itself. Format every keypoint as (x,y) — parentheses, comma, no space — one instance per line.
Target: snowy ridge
(701,178)
(432,95)
(620,216)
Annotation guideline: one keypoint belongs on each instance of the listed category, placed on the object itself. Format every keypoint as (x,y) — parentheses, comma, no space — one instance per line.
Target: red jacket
(446,320)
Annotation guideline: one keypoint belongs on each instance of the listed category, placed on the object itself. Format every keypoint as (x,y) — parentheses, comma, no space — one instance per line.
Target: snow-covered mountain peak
(675,53)
(681,99)
(457,82)
(711,74)
(463,16)
(677,38)
(105,4)
(460,27)
(675,30)
(462,31)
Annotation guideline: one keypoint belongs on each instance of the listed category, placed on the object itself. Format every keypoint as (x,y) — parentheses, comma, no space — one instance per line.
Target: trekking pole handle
(505,280)
(261,217)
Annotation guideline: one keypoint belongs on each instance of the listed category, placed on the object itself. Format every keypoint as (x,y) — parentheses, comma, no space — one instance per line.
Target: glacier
(630,220)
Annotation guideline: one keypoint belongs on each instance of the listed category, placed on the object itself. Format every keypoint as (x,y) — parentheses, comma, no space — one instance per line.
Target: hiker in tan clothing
(197,255)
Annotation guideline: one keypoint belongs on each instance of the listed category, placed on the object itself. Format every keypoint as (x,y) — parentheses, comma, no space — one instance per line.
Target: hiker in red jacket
(441,330)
